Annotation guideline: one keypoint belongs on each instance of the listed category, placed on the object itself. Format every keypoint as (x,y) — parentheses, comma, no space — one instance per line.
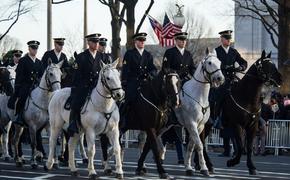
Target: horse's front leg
(196,143)
(90,137)
(141,169)
(32,133)
(5,142)
(238,138)
(250,134)
(17,146)
(71,148)
(152,137)
(83,150)
(114,140)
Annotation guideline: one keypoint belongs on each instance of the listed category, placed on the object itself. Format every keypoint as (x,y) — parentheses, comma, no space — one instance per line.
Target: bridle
(105,84)
(49,84)
(265,77)
(206,74)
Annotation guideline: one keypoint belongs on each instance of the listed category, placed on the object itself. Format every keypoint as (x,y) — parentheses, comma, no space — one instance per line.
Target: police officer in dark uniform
(137,68)
(102,55)
(55,55)
(28,75)
(179,59)
(231,62)
(16,55)
(87,66)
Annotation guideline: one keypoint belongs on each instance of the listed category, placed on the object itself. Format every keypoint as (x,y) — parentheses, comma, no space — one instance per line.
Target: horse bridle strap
(105,84)
(244,109)
(153,105)
(48,83)
(203,109)
(39,107)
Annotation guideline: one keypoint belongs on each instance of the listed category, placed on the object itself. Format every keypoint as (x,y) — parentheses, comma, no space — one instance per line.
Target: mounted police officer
(28,75)
(16,55)
(56,55)
(102,55)
(87,67)
(231,63)
(179,59)
(137,68)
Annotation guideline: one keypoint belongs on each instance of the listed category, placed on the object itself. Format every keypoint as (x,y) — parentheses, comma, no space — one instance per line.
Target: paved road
(270,167)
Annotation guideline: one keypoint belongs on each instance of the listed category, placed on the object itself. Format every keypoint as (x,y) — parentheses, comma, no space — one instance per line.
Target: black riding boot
(19,120)
(73,126)
(124,114)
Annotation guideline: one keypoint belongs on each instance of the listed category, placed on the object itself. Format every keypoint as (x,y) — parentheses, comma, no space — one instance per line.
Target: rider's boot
(73,126)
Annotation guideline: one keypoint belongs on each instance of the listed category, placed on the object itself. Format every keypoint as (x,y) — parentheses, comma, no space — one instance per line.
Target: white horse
(100,114)
(36,109)
(6,115)
(194,110)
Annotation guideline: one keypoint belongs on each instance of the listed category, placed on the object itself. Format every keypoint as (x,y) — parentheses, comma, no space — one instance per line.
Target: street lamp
(179,19)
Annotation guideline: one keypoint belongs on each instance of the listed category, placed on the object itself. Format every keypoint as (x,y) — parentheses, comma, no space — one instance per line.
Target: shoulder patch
(124,61)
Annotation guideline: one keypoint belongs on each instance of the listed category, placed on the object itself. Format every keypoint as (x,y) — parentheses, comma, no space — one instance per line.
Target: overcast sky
(68,19)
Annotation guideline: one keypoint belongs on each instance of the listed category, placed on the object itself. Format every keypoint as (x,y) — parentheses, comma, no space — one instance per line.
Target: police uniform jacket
(51,55)
(136,69)
(28,74)
(183,64)
(229,59)
(85,78)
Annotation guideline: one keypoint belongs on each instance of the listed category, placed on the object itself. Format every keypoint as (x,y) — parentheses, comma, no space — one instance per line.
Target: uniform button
(181,65)
(97,72)
(31,78)
(145,67)
(91,79)
(186,65)
(31,72)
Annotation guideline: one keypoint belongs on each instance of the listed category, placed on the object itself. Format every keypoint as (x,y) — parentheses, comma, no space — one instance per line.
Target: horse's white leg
(17,135)
(90,137)
(54,131)
(194,134)
(5,141)
(82,147)
(114,140)
(71,149)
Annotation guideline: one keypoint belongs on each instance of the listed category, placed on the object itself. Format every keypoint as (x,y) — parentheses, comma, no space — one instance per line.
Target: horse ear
(75,54)
(115,63)
(269,55)
(49,61)
(263,54)
(59,64)
(102,64)
(207,51)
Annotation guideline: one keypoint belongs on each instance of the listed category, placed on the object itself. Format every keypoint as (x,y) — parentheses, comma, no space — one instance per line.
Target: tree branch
(115,11)
(60,2)
(144,16)
(14,22)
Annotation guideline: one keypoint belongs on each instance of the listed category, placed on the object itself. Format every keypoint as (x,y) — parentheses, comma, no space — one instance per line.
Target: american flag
(165,36)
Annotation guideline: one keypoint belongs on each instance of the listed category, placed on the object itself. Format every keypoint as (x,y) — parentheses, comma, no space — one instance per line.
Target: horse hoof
(55,166)
(230,163)
(34,166)
(45,168)
(204,172)
(253,172)
(197,167)
(211,170)
(85,161)
(144,170)
(108,172)
(39,159)
(7,159)
(139,173)
(19,164)
(164,176)
(119,176)
(93,177)
(189,172)
(75,173)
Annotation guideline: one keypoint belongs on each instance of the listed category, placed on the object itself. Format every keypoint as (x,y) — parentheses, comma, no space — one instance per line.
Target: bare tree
(11,12)
(73,41)
(278,27)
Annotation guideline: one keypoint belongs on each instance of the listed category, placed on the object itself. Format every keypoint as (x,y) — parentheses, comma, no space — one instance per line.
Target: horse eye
(108,78)
(209,63)
(50,74)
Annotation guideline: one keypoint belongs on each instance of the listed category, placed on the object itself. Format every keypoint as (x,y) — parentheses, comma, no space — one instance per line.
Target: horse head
(110,79)
(52,76)
(267,71)
(5,81)
(211,69)
(171,86)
